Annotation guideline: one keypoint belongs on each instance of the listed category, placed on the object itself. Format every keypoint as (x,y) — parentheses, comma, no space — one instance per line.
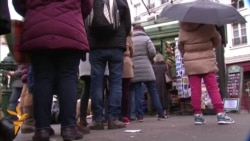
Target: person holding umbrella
(196,44)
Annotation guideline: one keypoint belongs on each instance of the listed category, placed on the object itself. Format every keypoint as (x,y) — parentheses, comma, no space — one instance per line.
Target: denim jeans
(15,95)
(139,95)
(55,72)
(99,58)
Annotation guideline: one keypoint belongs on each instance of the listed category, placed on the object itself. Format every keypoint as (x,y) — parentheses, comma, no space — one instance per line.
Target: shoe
(51,131)
(115,124)
(41,135)
(198,119)
(71,133)
(6,130)
(96,126)
(126,120)
(83,129)
(140,119)
(83,122)
(162,117)
(223,118)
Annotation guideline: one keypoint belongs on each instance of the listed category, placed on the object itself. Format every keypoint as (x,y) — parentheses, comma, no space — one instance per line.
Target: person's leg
(13,101)
(44,74)
(195,85)
(85,100)
(213,91)
(125,99)
(151,86)
(115,65)
(132,103)
(66,81)
(138,100)
(98,64)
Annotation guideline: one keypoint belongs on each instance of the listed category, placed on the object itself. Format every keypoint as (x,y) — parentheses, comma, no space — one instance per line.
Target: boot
(28,125)
(83,122)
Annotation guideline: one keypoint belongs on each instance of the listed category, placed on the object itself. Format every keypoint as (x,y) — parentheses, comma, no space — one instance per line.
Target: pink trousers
(212,88)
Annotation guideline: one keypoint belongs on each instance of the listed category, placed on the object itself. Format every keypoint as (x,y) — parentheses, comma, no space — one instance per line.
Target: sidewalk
(176,128)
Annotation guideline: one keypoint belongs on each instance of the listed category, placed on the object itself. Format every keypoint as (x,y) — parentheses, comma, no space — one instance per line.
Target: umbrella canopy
(203,11)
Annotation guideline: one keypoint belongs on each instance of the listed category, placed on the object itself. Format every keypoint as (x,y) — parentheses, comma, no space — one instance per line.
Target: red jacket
(53,24)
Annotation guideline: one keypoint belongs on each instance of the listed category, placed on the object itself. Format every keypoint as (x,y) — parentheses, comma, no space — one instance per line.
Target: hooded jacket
(196,44)
(53,24)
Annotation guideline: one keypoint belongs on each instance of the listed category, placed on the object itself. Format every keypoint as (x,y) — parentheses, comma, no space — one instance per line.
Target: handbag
(5,24)
(167,78)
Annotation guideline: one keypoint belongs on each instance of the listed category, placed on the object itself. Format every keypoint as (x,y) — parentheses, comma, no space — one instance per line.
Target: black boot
(7,132)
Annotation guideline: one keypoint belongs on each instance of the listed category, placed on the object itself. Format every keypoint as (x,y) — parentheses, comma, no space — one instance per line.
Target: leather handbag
(5,23)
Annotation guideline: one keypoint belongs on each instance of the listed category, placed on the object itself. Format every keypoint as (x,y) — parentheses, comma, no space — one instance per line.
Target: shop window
(239,34)
(238,4)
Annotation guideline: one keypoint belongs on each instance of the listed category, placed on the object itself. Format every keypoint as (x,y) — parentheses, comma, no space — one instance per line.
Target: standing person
(108,49)
(144,52)
(126,79)
(55,52)
(196,44)
(17,86)
(160,69)
(84,73)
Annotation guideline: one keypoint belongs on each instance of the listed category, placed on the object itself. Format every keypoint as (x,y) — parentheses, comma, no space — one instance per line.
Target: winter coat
(118,40)
(144,51)
(160,68)
(85,67)
(196,44)
(128,65)
(54,24)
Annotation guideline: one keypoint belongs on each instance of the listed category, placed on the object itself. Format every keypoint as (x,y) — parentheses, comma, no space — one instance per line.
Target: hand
(11,73)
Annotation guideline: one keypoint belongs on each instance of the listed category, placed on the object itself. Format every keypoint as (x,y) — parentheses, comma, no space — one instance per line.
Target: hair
(138,27)
(159,58)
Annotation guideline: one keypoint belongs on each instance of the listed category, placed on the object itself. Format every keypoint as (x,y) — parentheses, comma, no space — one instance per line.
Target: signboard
(234,88)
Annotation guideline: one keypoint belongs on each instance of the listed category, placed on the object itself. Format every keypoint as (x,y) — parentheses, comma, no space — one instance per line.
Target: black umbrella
(203,11)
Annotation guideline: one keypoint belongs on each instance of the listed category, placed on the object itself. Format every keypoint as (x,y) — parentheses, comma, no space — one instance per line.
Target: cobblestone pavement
(176,128)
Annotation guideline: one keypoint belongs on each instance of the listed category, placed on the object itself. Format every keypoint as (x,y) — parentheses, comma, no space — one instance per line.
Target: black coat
(119,38)
(5,24)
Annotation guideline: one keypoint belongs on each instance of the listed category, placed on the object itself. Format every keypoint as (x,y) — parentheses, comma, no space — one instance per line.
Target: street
(176,128)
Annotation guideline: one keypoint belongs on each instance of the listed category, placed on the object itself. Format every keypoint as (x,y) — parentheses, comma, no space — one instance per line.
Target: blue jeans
(55,72)
(139,95)
(15,95)
(98,60)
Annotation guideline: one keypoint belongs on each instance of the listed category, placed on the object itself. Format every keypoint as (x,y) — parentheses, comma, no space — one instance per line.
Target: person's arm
(20,6)
(181,44)
(151,49)
(216,37)
(127,18)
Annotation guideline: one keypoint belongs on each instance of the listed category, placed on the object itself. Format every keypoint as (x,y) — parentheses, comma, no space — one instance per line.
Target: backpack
(104,19)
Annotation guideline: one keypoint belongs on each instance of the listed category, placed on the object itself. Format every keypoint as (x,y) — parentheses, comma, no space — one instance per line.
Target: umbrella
(203,11)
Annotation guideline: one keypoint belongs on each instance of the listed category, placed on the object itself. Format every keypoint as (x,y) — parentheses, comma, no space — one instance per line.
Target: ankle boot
(28,125)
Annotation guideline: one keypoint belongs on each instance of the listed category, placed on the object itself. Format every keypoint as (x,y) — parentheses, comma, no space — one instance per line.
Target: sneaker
(198,119)
(223,118)
(162,117)
(140,119)
(126,120)
(115,124)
